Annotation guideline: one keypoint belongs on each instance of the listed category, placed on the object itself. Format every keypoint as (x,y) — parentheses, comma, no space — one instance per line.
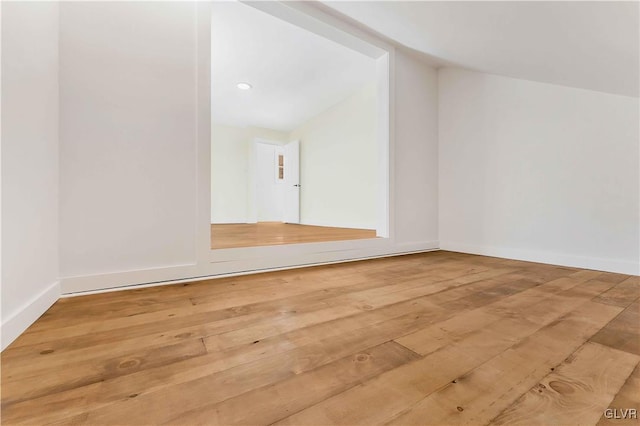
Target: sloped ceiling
(591,45)
(295,74)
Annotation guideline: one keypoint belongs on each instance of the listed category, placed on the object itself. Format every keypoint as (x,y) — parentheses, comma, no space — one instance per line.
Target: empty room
(320,212)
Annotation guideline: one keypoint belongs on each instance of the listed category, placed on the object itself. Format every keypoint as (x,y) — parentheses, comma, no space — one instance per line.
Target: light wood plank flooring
(436,338)
(232,235)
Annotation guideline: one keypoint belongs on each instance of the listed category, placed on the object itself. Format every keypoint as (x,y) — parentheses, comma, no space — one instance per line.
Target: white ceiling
(592,45)
(295,74)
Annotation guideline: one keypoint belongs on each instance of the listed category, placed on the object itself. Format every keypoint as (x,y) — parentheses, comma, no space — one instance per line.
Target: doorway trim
(235,260)
(207,263)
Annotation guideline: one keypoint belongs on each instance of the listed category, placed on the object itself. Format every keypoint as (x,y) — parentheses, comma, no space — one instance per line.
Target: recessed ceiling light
(244,86)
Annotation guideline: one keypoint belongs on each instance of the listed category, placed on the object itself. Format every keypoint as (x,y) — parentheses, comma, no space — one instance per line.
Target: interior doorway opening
(299,133)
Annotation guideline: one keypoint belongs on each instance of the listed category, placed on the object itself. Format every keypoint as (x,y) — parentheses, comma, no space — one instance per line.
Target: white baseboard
(595,263)
(230,220)
(82,283)
(351,225)
(404,249)
(417,246)
(28,313)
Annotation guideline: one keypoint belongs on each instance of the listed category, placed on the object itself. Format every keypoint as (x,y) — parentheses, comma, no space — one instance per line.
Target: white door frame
(209,263)
(315,20)
(292,187)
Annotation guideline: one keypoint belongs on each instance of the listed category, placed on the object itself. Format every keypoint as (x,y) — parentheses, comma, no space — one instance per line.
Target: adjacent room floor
(232,235)
(434,338)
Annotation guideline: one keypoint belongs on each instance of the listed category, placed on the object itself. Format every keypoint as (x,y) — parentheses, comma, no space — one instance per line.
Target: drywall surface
(538,172)
(29,163)
(128,117)
(135,197)
(230,174)
(415,178)
(338,164)
(118,83)
(593,45)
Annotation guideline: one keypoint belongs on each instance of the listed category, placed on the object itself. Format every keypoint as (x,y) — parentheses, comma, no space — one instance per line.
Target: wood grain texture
(234,235)
(301,390)
(433,338)
(623,332)
(576,392)
(623,294)
(482,393)
(399,390)
(628,398)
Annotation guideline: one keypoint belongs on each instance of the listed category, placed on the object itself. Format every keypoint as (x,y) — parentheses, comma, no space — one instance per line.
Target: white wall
(338,163)
(230,151)
(29,163)
(527,170)
(416,152)
(538,172)
(135,190)
(269,191)
(128,117)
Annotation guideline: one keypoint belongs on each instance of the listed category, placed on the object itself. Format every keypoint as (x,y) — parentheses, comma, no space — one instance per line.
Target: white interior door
(269,189)
(292,182)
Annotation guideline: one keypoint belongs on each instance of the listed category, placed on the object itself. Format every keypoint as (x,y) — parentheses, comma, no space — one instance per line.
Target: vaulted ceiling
(591,45)
(295,74)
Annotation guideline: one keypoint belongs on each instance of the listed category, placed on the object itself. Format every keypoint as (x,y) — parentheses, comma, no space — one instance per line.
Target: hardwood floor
(232,235)
(435,338)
